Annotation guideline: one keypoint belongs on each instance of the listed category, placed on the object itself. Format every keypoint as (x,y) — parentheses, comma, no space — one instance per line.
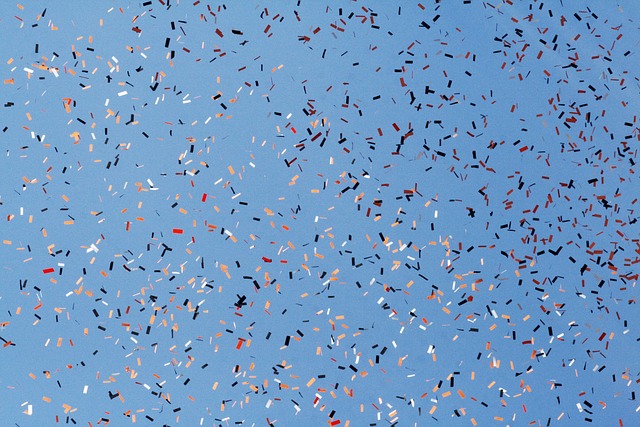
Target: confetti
(309,213)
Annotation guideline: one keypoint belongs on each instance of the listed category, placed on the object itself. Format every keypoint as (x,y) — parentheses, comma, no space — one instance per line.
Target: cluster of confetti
(307,213)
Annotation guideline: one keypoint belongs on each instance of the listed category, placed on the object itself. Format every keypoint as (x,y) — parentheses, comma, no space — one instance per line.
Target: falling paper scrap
(305,213)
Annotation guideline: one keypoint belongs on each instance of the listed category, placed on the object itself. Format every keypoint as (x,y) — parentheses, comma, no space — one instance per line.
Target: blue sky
(306,213)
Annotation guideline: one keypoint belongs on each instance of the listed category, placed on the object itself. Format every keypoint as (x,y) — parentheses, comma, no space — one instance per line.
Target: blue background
(449,236)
